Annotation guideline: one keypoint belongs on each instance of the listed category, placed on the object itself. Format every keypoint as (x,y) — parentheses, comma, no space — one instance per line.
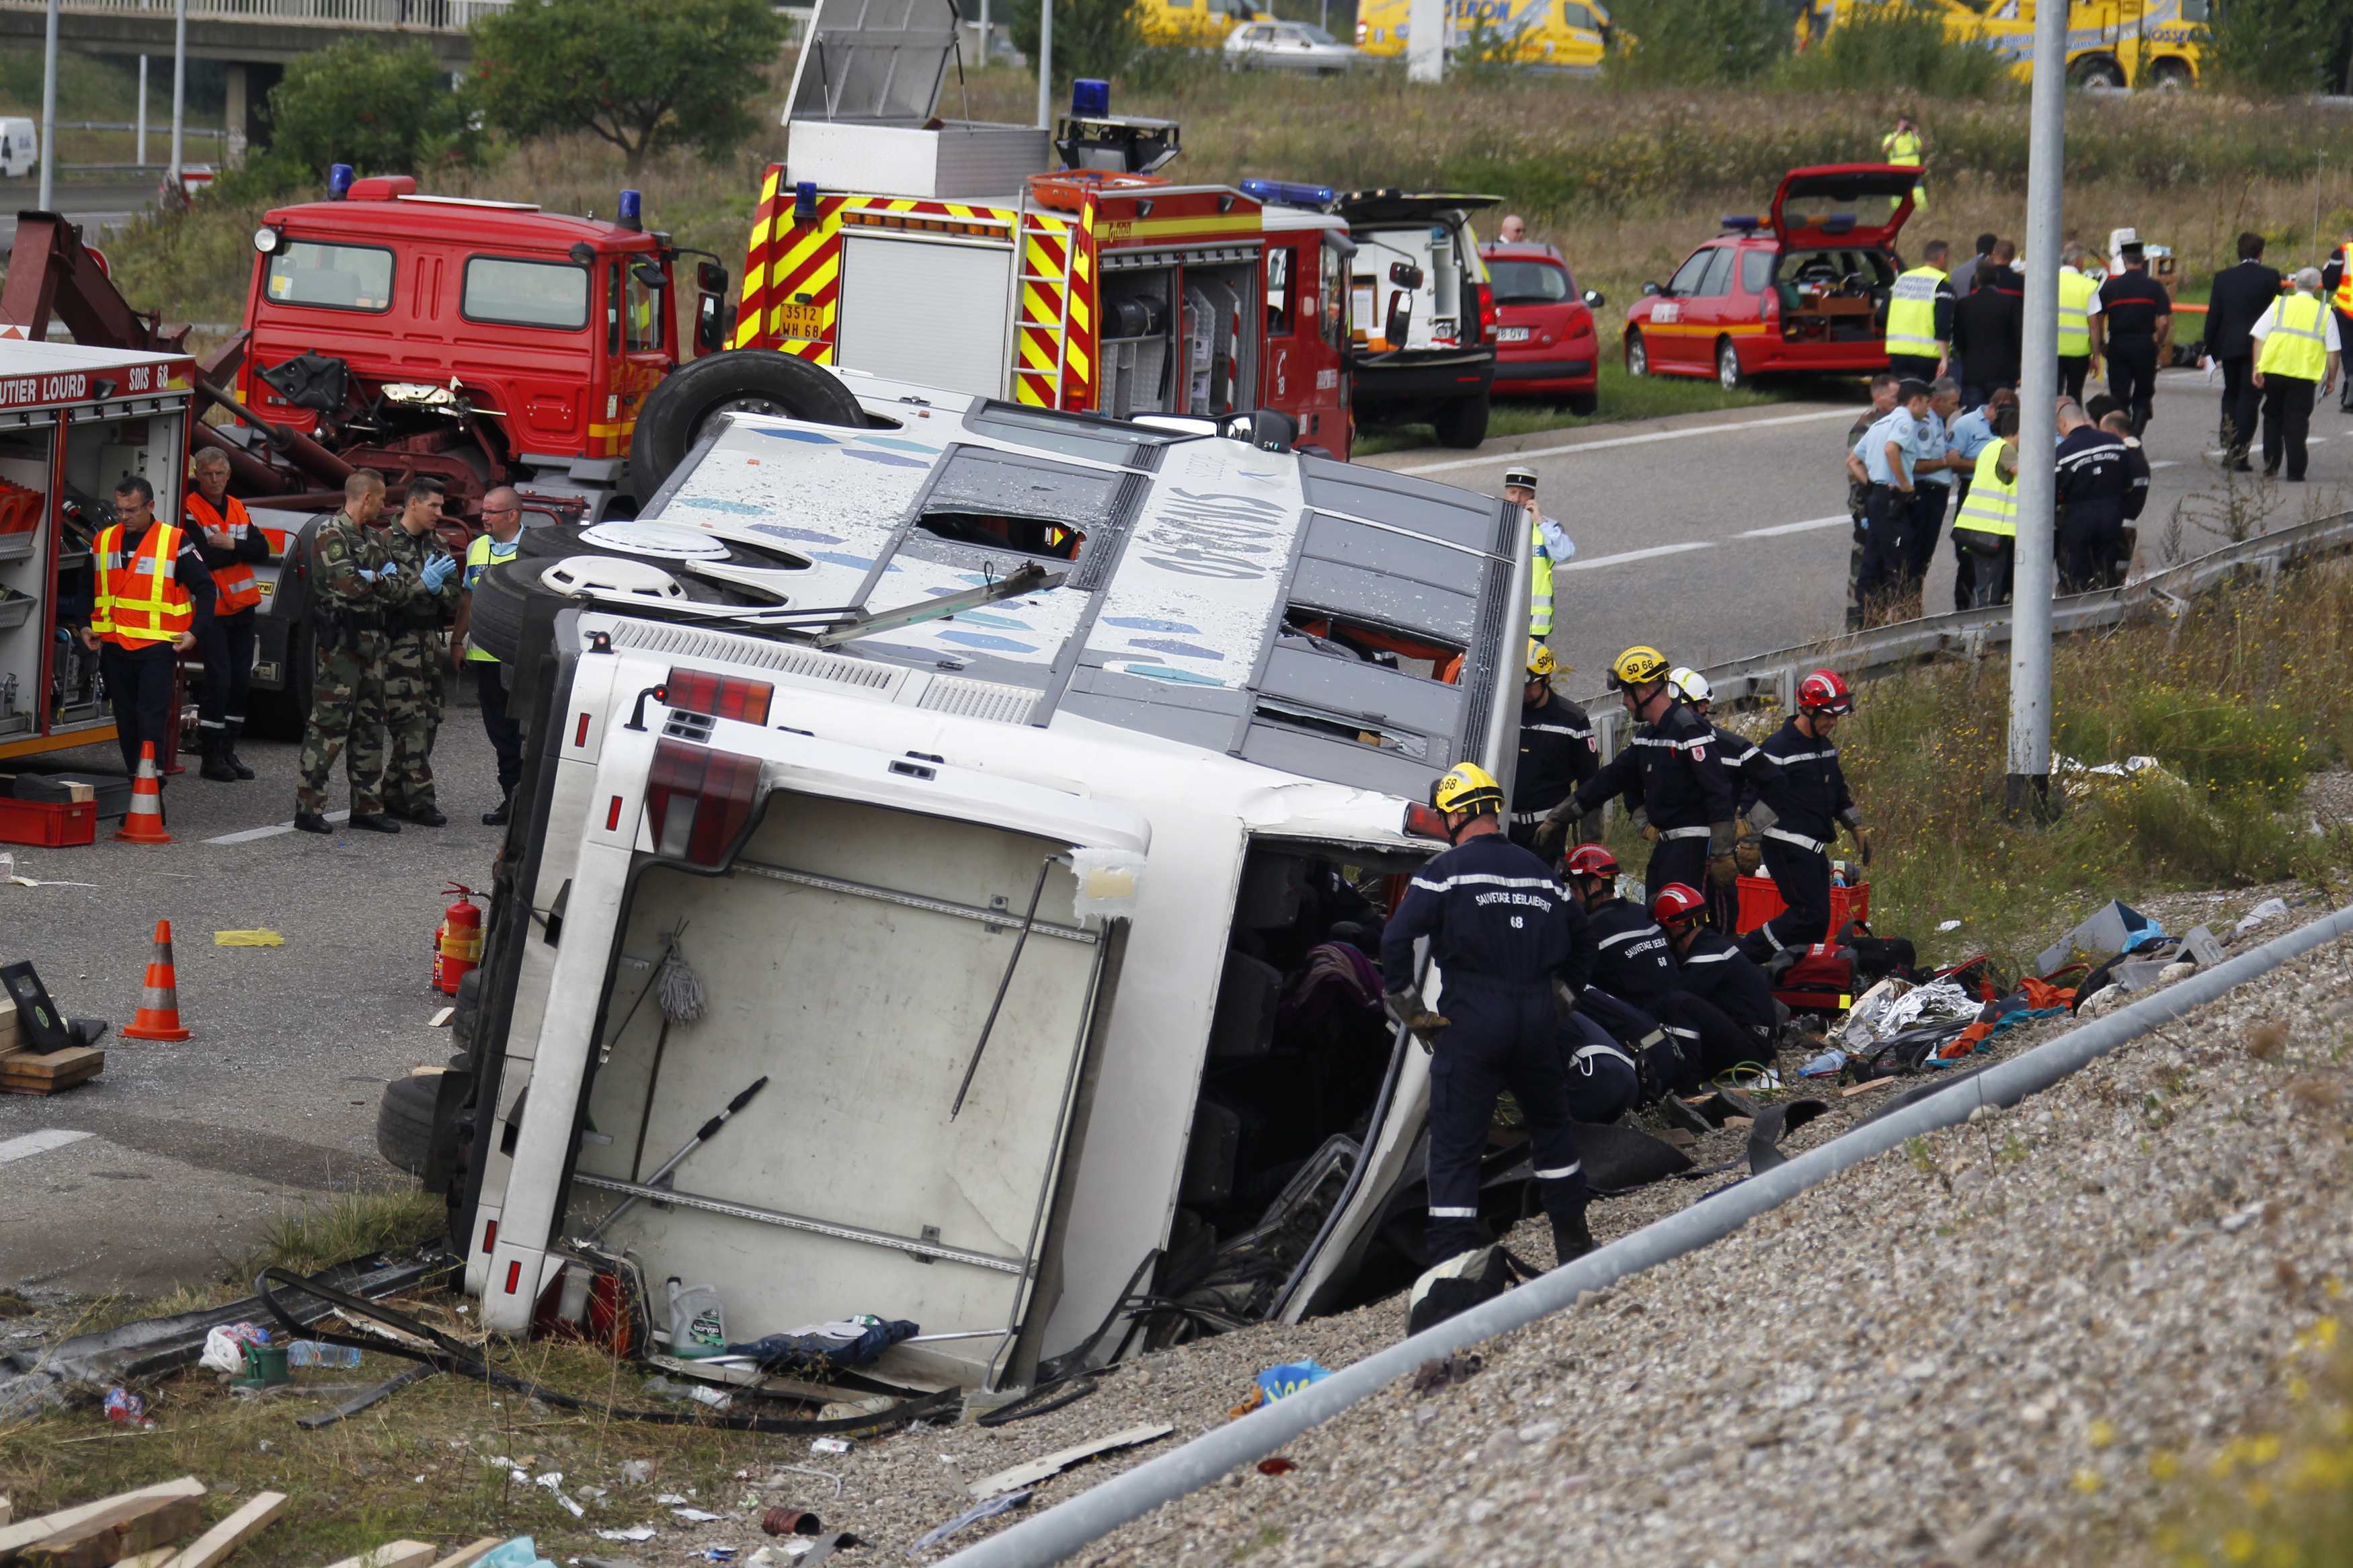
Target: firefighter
(231,544)
(1746,772)
(1984,531)
(2093,488)
(1904,148)
(1667,774)
(2336,288)
(346,562)
(2132,330)
(1712,967)
(1636,992)
(421,579)
(501,528)
(1801,823)
(2298,352)
(1504,941)
(2079,301)
(151,599)
(1920,317)
(1557,750)
(1548,542)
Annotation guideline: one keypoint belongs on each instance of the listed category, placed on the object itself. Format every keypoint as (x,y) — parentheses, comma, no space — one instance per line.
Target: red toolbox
(49,824)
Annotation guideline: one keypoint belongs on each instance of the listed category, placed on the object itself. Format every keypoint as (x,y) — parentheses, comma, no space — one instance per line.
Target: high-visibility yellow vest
(1539,585)
(480,555)
(1901,148)
(1992,506)
(234,587)
(2344,296)
(138,602)
(1912,313)
(2297,344)
(2075,291)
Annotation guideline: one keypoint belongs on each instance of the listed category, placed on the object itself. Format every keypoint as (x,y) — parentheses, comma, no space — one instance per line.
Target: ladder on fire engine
(1056,322)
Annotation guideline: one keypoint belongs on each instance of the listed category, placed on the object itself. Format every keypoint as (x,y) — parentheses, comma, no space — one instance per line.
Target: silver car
(1289,46)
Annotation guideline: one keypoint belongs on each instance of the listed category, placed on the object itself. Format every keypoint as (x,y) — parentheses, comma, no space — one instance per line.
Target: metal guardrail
(388,16)
(1772,677)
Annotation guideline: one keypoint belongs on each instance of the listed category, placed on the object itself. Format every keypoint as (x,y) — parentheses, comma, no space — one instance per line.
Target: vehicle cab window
(1717,279)
(1573,14)
(642,323)
(1756,269)
(1282,297)
(1687,276)
(525,294)
(338,277)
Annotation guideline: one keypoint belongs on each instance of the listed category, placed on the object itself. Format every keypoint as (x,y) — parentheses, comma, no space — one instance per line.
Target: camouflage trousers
(346,722)
(412,718)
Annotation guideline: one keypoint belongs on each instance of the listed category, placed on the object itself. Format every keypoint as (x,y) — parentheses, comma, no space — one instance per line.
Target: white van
(1004,775)
(20,147)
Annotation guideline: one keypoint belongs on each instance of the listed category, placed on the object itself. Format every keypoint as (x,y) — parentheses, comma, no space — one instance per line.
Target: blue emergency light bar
(339,182)
(1745,224)
(1090,98)
(1288,193)
(632,208)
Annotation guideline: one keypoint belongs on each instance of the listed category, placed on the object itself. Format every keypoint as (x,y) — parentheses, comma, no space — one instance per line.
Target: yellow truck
(2110,43)
(1195,24)
(1566,35)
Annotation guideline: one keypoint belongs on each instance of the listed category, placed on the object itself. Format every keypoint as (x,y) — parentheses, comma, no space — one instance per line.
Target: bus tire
(752,380)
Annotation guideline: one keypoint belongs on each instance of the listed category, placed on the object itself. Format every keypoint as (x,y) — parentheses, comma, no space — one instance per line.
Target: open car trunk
(853,952)
(1851,205)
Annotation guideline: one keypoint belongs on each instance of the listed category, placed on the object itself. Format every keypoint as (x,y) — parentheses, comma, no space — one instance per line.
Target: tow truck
(2110,43)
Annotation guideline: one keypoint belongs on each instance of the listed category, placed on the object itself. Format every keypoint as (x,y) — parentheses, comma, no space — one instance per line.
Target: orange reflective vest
(138,601)
(2343,298)
(233,584)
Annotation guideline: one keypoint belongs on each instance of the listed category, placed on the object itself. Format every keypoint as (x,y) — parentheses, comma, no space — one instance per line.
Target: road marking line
(251,834)
(1499,459)
(2165,463)
(1812,522)
(40,1142)
(1636,555)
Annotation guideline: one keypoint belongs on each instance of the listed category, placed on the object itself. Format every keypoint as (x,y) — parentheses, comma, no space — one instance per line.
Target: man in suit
(1989,328)
(2242,294)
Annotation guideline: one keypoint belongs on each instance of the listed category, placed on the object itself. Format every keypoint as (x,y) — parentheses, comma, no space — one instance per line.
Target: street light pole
(49,109)
(2035,577)
(143,111)
(179,89)
(1045,63)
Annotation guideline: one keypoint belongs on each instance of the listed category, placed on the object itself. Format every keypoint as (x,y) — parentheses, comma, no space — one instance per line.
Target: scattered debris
(368,1398)
(635,1532)
(552,1482)
(1434,1375)
(2269,910)
(1024,1476)
(125,1408)
(1276,1464)
(988,1510)
(232,1533)
(1289,1378)
(636,1472)
(695,1515)
(791,1521)
(258,937)
(828,1444)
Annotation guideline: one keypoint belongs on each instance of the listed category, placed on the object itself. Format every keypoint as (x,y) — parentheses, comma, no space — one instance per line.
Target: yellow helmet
(1467,786)
(1542,665)
(1638,665)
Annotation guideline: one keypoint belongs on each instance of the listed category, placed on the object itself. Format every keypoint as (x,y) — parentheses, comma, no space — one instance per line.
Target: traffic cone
(143,823)
(159,1001)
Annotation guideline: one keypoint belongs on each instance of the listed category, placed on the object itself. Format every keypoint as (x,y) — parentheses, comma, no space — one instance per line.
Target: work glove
(1748,854)
(388,570)
(1549,833)
(1861,846)
(1407,1008)
(438,572)
(1650,832)
(1723,868)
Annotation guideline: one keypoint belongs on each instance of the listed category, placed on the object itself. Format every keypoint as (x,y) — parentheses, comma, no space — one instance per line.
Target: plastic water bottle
(311,1353)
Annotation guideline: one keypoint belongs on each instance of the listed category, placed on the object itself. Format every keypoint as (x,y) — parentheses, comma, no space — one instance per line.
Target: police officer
(345,561)
(1548,544)
(1557,750)
(421,579)
(1746,771)
(1920,317)
(231,546)
(1886,460)
(1711,966)
(2133,329)
(151,599)
(501,528)
(1635,990)
(1505,940)
(1984,531)
(2079,302)
(1667,773)
(1858,490)
(1802,823)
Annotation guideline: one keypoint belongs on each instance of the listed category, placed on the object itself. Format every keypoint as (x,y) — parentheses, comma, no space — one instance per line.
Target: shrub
(1695,42)
(2272,46)
(1900,47)
(1092,37)
(383,111)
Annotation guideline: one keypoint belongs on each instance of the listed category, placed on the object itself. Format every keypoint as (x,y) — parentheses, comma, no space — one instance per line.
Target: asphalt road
(1712,535)
(101,206)
(1718,535)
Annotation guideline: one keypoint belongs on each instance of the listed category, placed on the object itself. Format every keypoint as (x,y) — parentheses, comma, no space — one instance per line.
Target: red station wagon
(1804,291)
(1545,343)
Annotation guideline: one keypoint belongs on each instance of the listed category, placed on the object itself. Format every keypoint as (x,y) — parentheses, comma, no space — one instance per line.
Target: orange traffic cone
(143,823)
(159,1001)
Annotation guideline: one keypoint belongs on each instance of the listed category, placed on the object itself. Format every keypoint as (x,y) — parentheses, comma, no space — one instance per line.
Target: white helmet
(1690,685)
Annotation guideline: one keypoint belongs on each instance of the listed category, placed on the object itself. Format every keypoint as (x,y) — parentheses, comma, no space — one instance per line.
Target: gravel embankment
(1906,1365)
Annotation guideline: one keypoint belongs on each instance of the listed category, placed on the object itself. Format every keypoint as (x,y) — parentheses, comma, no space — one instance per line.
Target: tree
(1092,37)
(2280,45)
(644,75)
(381,111)
(1697,42)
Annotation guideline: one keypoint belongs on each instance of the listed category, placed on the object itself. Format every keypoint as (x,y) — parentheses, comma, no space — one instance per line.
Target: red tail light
(1423,821)
(698,800)
(1487,319)
(721,696)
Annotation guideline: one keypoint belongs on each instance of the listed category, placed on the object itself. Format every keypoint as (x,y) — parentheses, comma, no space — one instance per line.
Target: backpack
(1460,1283)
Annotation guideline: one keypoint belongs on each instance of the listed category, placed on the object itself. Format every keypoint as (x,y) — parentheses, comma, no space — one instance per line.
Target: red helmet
(1589,861)
(1824,693)
(1676,901)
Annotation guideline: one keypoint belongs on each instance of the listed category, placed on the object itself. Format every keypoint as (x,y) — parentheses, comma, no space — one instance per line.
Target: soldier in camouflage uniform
(425,595)
(345,563)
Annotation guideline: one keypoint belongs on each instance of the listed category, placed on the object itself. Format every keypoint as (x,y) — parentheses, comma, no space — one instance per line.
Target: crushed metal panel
(1352,689)
(1395,554)
(1393,601)
(1418,506)
(1311,756)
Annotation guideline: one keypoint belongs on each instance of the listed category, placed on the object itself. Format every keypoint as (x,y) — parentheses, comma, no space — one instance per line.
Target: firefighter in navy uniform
(232,544)
(1748,772)
(1506,940)
(1712,967)
(1801,823)
(1667,773)
(1635,990)
(1557,750)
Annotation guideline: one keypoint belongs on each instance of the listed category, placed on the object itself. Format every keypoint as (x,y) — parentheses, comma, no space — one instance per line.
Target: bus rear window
(338,277)
(526,293)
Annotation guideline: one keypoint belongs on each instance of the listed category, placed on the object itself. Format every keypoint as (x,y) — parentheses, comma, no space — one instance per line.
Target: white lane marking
(2165,463)
(1812,522)
(2316,440)
(1499,460)
(1587,565)
(40,1142)
(251,834)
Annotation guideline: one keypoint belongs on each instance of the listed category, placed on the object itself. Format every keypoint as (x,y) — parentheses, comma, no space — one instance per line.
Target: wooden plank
(467,1557)
(1865,1087)
(392,1554)
(53,1064)
(230,1533)
(154,1559)
(123,1530)
(14,1538)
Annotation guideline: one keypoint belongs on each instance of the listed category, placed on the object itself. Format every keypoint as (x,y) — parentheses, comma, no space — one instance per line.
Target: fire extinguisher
(458,945)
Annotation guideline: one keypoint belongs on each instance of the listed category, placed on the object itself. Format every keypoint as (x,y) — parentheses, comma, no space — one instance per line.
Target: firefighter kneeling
(1507,948)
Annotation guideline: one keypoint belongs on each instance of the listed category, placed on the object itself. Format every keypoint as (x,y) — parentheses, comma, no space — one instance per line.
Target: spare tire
(404,1121)
(502,599)
(750,381)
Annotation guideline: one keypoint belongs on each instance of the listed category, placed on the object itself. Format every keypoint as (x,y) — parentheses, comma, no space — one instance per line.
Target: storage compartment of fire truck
(1175,337)
(1833,295)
